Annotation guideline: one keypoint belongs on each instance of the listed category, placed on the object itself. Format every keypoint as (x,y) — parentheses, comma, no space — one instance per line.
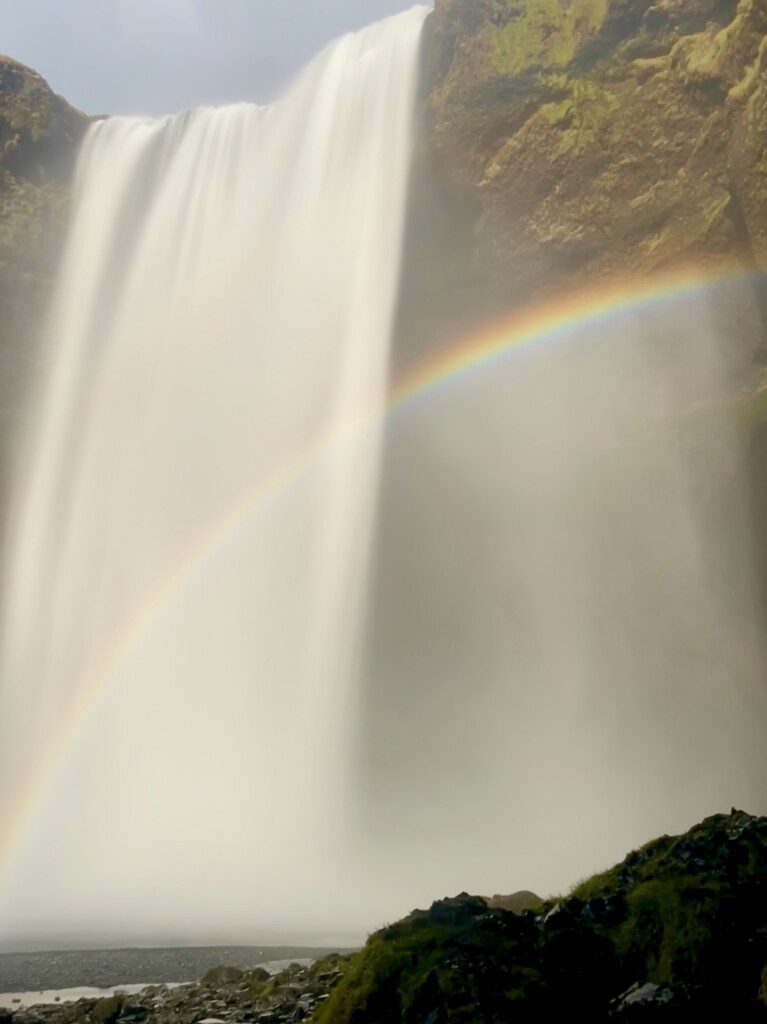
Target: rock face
(39,136)
(676,932)
(572,140)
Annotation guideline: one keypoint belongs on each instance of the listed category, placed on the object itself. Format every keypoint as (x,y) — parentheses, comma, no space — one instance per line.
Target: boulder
(221,977)
(107,1010)
(643,994)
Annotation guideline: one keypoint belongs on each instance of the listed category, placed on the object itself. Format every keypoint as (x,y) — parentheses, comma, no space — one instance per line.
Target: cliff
(568,141)
(39,136)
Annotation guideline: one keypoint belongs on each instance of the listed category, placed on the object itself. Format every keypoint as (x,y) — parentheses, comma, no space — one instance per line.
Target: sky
(159,56)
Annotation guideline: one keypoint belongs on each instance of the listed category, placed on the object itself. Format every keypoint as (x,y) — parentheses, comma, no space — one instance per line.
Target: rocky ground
(224,994)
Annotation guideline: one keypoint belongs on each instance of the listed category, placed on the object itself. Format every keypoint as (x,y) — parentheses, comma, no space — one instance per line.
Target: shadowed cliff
(39,136)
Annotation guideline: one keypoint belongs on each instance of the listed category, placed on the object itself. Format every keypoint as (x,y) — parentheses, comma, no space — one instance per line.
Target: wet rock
(549,916)
(217,977)
(105,1011)
(133,1014)
(257,976)
(643,994)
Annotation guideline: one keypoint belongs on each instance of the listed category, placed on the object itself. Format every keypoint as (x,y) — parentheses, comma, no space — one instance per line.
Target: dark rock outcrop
(676,932)
(220,977)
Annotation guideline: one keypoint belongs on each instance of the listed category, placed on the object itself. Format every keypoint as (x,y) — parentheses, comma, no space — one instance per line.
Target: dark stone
(107,1010)
(218,977)
(133,1014)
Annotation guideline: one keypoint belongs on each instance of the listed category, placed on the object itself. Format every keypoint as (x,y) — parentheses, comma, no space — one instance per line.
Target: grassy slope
(688,914)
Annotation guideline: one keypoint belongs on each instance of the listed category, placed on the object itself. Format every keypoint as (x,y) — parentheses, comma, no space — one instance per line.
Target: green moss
(544,33)
(594,887)
(557,114)
(682,912)
(468,963)
(668,927)
(585,110)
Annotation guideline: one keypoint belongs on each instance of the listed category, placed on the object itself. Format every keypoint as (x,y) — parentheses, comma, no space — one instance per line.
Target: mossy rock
(682,919)
(107,1010)
(542,34)
(573,141)
(222,976)
(39,137)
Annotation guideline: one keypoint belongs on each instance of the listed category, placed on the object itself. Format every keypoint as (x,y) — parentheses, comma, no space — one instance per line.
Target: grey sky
(157,56)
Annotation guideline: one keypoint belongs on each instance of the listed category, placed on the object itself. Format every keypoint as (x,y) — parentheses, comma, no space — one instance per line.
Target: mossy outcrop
(568,141)
(676,932)
(39,136)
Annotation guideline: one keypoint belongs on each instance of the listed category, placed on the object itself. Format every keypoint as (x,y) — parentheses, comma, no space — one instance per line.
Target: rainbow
(545,323)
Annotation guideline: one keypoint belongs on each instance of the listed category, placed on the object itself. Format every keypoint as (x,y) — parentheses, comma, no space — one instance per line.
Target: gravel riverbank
(224,995)
(107,968)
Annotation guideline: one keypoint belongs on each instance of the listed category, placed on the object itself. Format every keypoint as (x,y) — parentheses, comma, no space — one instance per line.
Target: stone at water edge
(108,1009)
(217,977)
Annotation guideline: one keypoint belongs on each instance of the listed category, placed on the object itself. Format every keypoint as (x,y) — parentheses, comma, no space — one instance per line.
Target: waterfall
(266,678)
(182,605)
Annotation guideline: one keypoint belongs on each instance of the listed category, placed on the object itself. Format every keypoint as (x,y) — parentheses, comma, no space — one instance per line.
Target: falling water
(179,642)
(207,731)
